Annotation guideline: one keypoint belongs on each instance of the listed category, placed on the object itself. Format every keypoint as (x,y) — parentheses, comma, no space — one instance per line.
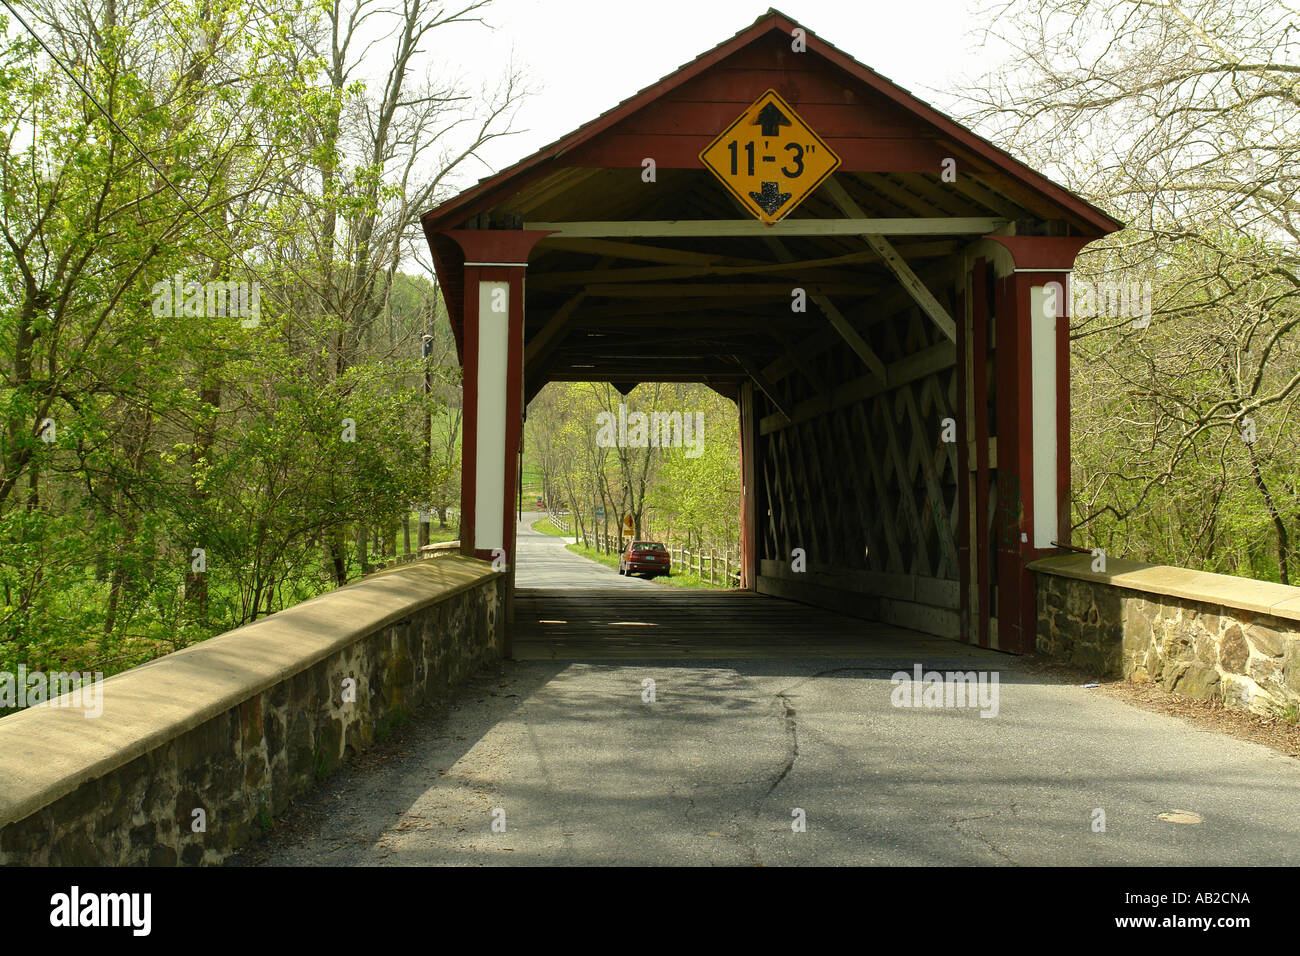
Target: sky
(585,56)
(582,57)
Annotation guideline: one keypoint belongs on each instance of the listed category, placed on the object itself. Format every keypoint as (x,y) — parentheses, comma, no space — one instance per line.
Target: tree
(694,490)
(171,466)
(1184,119)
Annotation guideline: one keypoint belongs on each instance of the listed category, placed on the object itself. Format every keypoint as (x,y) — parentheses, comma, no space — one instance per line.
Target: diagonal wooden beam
(882,307)
(894,262)
(842,325)
(847,332)
(764,384)
(817,383)
(918,290)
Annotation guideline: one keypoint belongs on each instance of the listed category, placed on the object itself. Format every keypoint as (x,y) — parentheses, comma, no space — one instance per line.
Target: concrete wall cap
(47,752)
(1247,594)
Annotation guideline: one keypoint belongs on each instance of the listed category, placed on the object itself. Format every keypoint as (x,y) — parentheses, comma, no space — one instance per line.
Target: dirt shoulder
(1273,732)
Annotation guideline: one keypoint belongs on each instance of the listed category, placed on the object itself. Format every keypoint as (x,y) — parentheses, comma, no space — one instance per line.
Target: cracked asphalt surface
(586,770)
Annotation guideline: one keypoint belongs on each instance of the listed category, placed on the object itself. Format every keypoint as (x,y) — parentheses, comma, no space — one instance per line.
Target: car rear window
(647,546)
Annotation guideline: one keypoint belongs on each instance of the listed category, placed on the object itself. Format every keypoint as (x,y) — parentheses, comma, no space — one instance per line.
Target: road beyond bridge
(584,769)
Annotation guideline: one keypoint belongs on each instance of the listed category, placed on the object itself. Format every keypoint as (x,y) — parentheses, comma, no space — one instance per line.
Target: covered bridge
(908,430)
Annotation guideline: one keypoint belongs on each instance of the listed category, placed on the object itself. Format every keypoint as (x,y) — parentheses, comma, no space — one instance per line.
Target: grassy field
(545,526)
(531,482)
(436,535)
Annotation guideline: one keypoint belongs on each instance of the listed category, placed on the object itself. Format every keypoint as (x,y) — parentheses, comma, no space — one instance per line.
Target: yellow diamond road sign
(769,158)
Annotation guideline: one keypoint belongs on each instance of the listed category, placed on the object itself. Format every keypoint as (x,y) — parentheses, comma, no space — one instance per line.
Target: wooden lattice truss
(872,485)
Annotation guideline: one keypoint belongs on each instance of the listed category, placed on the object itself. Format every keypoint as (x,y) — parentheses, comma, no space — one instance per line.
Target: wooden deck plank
(614,624)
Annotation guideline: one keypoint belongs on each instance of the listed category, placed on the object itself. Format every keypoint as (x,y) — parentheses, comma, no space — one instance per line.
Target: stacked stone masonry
(243,766)
(1201,649)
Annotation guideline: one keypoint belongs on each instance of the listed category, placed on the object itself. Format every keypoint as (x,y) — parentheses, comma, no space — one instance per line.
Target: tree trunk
(363,553)
(1283,544)
(339,558)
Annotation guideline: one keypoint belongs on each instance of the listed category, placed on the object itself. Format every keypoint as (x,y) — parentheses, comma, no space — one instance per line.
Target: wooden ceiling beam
(541,193)
(970,187)
(688,323)
(750,290)
(704,376)
(1012,187)
(549,280)
(905,194)
(871,189)
(956,192)
(644,372)
(692,345)
(636,252)
(552,333)
(786,228)
(668,347)
(701,306)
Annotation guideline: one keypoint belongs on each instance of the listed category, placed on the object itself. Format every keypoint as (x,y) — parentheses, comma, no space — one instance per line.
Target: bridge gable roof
(877,127)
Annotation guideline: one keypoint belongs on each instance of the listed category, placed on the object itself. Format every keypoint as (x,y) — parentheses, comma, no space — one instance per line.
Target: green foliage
(287,449)
(689,496)
(700,496)
(391,722)
(1184,431)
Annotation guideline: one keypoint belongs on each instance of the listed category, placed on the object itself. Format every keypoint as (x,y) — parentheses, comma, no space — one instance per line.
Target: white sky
(585,56)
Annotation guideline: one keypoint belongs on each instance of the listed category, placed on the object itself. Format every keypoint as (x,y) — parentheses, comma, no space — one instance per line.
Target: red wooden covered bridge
(909,430)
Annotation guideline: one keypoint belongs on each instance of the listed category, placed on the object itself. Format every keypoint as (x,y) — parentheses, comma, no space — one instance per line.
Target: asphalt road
(544,562)
(584,769)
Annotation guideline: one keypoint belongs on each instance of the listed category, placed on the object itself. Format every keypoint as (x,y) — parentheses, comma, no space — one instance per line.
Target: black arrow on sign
(769,200)
(771,119)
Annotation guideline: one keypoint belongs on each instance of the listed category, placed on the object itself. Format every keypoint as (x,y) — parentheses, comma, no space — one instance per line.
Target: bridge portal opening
(617,462)
(890,329)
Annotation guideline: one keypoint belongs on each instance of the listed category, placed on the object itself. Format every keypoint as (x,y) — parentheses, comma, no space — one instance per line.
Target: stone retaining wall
(1197,634)
(196,753)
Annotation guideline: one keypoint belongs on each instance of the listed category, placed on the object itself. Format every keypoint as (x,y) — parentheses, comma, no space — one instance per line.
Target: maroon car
(644,557)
